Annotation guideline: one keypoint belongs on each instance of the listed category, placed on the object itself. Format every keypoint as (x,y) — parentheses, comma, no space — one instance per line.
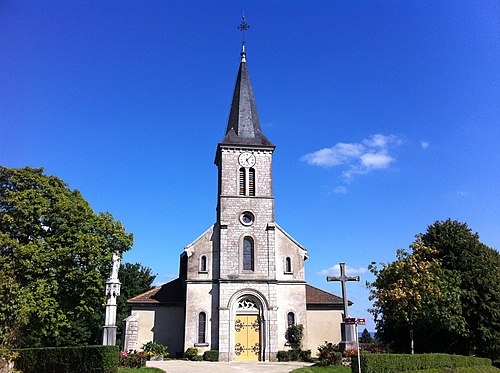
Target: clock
(246,159)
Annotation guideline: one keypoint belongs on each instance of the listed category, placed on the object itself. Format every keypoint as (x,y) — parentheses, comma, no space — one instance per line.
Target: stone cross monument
(112,292)
(347,330)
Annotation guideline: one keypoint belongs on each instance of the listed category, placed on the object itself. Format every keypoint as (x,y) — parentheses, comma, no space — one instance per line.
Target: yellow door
(247,341)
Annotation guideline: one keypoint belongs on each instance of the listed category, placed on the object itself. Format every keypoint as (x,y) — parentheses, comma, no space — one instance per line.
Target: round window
(247,218)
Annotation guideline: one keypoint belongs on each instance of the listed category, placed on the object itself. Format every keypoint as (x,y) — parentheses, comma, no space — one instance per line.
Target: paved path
(183,366)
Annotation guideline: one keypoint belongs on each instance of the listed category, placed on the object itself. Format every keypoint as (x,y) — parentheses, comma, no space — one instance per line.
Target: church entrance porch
(247,337)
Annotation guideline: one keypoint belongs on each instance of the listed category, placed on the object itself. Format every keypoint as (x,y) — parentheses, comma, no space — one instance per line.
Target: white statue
(115,268)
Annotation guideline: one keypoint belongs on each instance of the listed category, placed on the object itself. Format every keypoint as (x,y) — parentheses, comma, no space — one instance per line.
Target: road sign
(350,320)
(361,322)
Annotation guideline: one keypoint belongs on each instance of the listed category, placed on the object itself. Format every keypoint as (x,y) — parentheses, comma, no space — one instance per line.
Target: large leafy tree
(415,299)
(444,295)
(478,269)
(56,251)
(135,279)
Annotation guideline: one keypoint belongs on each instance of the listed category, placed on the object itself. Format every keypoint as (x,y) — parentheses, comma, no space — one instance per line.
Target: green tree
(445,295)
(415,298)
(366,337)
(58,254)
(135,279)
(478,269)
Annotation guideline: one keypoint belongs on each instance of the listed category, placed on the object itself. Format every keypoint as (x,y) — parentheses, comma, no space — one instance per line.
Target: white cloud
(360,158)
(424,144)
(339,189)
(462,194)
(335,271)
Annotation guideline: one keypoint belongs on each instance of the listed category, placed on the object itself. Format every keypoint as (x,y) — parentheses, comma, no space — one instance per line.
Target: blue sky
(385,116)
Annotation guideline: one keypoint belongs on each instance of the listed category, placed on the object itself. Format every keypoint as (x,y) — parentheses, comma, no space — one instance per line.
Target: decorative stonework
(247,305)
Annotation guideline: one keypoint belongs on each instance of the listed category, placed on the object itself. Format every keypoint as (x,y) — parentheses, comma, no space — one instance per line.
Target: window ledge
(202,271)
(288,273)
(201,345)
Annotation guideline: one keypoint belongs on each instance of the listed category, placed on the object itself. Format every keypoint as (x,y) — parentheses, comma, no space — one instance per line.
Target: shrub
(294,355)
(282,356)
(211,355)
(132,359)
(294,335)
(84,359)
(305,355)
(155,349)
(388,363)
(191,353)
(329,354)
(7,356)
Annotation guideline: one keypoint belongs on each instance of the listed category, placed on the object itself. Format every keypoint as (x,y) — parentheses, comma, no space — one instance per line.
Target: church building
(242,282)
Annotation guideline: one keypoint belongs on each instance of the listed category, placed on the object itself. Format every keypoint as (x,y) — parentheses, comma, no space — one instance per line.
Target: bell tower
(245,209)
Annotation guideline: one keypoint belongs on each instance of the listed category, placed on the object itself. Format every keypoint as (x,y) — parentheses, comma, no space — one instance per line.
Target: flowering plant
(132,359)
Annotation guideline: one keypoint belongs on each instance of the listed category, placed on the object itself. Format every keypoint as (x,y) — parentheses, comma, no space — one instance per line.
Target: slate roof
(171,293)
(243,127)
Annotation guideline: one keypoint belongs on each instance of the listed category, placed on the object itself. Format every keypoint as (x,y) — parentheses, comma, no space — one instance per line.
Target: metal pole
(357,339)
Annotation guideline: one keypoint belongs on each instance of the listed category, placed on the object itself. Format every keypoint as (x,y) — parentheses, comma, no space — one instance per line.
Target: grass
(140,370)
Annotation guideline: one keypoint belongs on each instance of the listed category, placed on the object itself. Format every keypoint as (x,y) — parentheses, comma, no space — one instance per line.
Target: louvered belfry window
(242,182)
(248,254)
(251,182)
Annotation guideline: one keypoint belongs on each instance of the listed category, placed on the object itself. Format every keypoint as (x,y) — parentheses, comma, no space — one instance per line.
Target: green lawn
(140,370)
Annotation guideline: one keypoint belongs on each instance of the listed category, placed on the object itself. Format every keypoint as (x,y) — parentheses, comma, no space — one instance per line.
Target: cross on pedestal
(348,337)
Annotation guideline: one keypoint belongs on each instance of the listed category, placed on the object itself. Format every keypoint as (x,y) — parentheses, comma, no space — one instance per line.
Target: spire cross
(243,27)
(343,279)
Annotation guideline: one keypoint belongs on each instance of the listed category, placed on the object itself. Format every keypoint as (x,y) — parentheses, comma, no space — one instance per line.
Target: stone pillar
(109,328)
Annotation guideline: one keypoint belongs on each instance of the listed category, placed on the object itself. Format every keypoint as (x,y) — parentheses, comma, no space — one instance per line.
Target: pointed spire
(243,127)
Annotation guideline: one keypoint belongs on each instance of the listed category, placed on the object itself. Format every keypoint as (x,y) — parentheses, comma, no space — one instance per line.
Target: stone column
(112,292)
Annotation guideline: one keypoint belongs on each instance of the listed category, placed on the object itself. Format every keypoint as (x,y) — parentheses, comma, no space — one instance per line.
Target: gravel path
(182,366)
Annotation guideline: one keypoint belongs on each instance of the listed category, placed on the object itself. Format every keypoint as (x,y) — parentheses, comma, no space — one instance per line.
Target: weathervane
(243,27)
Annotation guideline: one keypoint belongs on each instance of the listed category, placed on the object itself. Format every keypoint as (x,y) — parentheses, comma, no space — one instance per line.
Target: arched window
(251,182)
(288,265)
(290,319)
(203,263)
(248,253)
(202,321)
(243,186)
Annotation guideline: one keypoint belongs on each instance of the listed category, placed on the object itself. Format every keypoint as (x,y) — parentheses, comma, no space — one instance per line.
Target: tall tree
(58,253)
(445,295)
(414,297)
(366,337)
(478,268)
(135,279)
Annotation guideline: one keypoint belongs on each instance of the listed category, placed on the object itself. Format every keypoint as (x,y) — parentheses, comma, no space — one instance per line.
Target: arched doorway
(248,330)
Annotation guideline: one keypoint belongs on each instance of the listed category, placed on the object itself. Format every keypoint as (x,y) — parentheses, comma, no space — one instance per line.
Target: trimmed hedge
(393,363)
(294,355)
(211,355)
(81,359)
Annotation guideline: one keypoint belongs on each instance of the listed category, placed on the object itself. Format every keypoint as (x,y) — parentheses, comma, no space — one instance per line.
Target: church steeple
(243,127)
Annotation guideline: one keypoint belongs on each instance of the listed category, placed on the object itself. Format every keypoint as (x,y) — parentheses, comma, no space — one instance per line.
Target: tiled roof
(318,296)
(171,293)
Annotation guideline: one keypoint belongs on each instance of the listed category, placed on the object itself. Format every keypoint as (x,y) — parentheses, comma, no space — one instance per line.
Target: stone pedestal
(348,335)
(109,335)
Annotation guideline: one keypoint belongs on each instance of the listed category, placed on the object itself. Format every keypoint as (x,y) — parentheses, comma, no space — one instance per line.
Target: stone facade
(244,264)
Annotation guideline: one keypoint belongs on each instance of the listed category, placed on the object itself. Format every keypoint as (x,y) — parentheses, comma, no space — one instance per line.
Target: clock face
(247,159)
